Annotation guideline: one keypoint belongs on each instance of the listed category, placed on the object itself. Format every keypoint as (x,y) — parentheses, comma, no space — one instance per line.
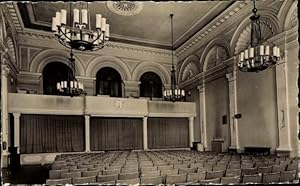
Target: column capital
(132,83)
(5,70)
(231,76)
(17,115)
(201,88)
(191,117)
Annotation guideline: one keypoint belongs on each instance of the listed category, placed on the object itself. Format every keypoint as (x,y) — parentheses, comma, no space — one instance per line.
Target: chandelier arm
(64,34)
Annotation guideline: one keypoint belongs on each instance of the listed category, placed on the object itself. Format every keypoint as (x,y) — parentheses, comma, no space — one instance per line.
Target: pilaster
(201,89)
(131,88)
(234,136)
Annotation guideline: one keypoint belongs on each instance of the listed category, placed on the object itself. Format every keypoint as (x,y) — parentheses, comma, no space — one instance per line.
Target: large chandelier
(174,94)
(70,86)
(79,34)
(259,56)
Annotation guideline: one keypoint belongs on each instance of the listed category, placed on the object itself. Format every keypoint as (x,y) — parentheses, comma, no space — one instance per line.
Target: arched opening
(53,73)
(108,82)
(151,85)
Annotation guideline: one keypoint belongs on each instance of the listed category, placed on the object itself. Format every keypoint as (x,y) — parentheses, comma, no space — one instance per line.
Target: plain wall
(256,101)
(217,105)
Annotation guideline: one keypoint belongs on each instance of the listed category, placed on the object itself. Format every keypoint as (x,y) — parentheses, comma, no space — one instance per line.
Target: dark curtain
(168,133)
(116,133)
(51,133)
(151,85)
(108,82)
(54,72)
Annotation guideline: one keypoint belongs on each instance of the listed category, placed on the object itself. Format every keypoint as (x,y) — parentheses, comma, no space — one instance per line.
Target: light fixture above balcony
(79,34)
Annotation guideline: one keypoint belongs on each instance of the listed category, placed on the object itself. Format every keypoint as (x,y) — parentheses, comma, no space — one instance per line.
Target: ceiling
(150,27)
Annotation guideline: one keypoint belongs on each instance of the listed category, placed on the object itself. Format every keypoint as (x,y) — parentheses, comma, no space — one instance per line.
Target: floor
(24,175)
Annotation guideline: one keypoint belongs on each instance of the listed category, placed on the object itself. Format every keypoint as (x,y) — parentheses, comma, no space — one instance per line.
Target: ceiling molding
(182,35)
(15,16)
(38,34)
(218,22)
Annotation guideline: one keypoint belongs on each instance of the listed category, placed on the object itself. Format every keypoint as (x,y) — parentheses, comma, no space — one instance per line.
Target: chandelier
(259,56)
(174,94)
(70,87)
(79,34)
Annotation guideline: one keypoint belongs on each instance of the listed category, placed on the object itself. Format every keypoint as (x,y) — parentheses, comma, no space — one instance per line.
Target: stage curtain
(116,133)
(51,133)
(168,133)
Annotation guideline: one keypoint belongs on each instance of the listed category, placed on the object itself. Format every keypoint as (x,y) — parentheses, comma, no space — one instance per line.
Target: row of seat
(165,169)
(180,179)
(154,164)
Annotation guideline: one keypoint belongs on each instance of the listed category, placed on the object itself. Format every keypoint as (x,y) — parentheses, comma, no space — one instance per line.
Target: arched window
(53,73)
(108,82)
(151,85)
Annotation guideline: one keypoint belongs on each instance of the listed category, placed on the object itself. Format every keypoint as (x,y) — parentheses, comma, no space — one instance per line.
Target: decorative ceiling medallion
(125,8)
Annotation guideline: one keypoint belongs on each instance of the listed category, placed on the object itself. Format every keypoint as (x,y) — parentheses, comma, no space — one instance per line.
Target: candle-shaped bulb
(107,30)
(84,17)
(251,53)
(63,16)
(98,21)
(242,56)
(58,19)
(76,16)
(103,24)
(58,86)
(261,50)
(54,27)
(246,54)
(267,50)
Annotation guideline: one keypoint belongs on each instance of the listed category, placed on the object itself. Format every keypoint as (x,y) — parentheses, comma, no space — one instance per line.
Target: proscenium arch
(223,42)
(267,15)
(108,61)
(157,68)
(189,59)
(50,55)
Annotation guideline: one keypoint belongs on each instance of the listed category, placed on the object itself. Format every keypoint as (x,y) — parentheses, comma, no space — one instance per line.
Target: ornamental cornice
(126,47)
(210,28)
(137,48)
(14,17)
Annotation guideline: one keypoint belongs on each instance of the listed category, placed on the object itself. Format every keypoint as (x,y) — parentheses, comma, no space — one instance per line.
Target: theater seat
(71,175)
(214,174)
(172,179)
(106,178)
(187,170)
(288,176)
(90,173)
(233,172)
(150,174)
(255,178)
(56,174)
(128,176)
(271,177)
(208,181)
(195,177)
(152,180)
(59,181)
(278,168)
(82,180)
(230,180)
(128,182)
(267,169)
